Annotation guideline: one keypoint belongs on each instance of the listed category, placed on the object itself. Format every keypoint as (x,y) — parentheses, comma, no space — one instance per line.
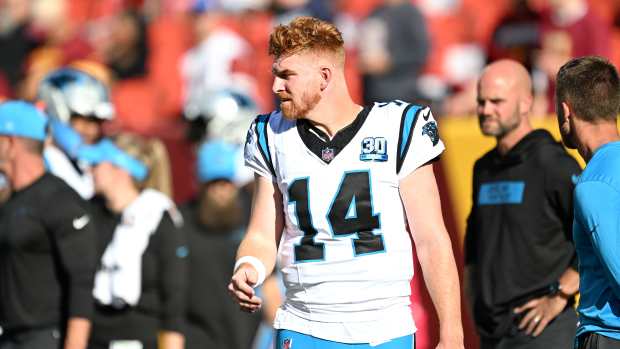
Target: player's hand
(241,290)
(539,312)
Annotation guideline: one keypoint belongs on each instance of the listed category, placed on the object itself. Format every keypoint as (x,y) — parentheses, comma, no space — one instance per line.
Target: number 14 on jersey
(350,215)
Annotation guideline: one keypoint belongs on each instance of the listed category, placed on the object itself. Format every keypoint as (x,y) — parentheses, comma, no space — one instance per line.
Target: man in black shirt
(47,246)
(214,225)
(520,267)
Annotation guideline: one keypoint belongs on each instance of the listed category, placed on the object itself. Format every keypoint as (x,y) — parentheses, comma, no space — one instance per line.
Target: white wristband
(257,264)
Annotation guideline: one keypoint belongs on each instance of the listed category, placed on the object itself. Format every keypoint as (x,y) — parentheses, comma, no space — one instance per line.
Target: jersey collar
(318,141)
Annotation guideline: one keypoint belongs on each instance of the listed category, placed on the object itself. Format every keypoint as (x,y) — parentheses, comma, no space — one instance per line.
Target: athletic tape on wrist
(258,266)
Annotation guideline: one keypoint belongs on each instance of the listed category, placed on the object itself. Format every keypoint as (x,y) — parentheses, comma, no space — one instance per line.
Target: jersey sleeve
(596,209)
(257,152)
(418,139)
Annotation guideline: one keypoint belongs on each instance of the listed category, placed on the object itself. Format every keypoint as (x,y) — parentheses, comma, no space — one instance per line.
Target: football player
(78,104)
(340,191)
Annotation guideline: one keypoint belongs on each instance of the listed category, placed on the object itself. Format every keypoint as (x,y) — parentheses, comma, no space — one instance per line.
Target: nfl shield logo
(287,344)
(328,154)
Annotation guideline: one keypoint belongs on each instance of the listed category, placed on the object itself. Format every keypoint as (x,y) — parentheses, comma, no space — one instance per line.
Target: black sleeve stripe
(408,121)
(262,122)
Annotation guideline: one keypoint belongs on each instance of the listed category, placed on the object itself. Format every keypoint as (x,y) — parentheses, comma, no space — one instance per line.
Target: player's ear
(326,77)
(527,102)
(566,111)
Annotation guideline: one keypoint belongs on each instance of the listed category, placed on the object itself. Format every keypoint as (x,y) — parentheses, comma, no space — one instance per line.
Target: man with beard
(47,250)
(587,103)
(214,225)
(340,190)
(520,266)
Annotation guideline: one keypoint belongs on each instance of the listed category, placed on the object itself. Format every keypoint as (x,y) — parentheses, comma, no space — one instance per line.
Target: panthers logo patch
(430,130)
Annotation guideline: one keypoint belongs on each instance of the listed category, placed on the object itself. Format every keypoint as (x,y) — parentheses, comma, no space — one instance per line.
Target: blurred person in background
(215,222)
(48,36)
(587,102)
(47,243)
(589,33)
(517,34)
(222,114)
(140,285)
(520,263)
(582,32)
(393,47)
(555,50)
(126,50)
(78,104)
(16,42)
(214,62)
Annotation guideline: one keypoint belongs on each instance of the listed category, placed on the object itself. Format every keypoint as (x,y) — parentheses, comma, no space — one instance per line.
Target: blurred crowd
(185,72)
(160,52)
(160,57)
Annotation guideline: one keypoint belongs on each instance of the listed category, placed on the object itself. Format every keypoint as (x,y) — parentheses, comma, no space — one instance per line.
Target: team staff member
(520,261)
(140,283)
(588,100)
(47,250)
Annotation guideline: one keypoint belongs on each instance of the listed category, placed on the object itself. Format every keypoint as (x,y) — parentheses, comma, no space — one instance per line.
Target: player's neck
(509,140)
(595,136)
(334,113)
(28,171)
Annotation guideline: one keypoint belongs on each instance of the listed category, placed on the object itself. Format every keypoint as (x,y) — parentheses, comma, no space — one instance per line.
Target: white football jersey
(345,253)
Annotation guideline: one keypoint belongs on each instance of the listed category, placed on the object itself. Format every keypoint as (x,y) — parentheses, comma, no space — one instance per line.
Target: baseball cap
(217,160)
(19,118)
(107,151)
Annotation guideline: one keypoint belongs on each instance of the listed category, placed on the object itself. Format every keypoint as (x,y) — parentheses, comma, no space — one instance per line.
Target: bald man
(520,273)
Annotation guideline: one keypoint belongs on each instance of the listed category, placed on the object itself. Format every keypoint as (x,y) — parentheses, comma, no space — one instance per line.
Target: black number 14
(351,212)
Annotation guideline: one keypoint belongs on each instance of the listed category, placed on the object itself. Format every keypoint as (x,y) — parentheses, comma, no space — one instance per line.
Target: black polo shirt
(47,257)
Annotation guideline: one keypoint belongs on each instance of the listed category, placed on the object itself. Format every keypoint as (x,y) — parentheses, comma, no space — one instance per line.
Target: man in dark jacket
(47,243)
(520,267)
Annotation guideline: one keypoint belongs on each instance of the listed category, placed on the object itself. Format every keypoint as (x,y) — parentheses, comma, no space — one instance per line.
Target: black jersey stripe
(263,141)
(407,125)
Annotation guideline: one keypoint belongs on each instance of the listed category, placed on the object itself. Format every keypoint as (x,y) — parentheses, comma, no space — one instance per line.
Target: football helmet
(67,92)
(224,114)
